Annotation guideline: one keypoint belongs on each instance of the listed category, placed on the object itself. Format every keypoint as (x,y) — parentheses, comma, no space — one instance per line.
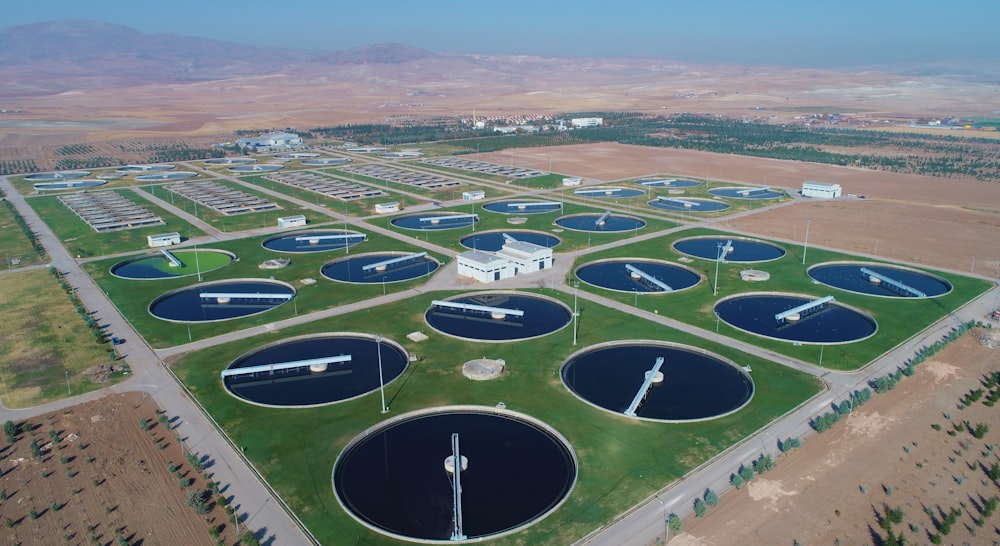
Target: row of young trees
(36,245)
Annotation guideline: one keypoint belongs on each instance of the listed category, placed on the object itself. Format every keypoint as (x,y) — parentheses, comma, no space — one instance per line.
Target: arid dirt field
(885,453)
(938,222)
(118,482)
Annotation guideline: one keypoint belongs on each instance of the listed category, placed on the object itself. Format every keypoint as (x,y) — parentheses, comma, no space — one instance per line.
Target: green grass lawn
(83,242)
(45,343)
(133,297)
(897,319)
(14,245)
(621,460)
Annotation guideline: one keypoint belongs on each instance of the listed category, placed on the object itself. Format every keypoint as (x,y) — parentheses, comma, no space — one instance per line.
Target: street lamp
(805,245)
(718,258)
(381,382)
(68,391)
(576,312)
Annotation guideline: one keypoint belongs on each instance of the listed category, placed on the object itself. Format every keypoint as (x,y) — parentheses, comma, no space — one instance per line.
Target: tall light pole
(381,382)
(68,391)
(805,245)
(576,312)
(718,258)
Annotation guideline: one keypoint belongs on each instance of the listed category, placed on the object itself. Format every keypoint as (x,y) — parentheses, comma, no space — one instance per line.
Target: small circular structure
(523,206)
(483,369)
(314,370)
(221,300)
(372,268)
(128,169)
(748,192)
(492,241)
(519,471)
(875,279)
(666,183)
(262,168)
(741,249)
(156,177)
(599,223)
(326,161)
(609,192)
(288,156)
(314,241)
(688,204)
(694,384)
(158,266)
(638,275)
(432,220)
(828,324)
(754,275)
(476,317)
(70,184)
(56,175)
(449,463)
(230,161)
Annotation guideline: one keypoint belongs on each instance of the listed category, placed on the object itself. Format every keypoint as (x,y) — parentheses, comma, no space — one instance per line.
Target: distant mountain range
(56,56)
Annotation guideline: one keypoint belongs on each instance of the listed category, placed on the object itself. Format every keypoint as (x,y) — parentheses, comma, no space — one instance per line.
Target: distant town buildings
(268,142)
(586,122)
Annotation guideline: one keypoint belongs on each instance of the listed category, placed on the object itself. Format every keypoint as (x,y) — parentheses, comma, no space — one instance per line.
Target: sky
(807,33)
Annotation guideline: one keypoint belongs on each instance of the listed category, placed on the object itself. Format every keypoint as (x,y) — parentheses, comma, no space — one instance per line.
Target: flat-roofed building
(825,190)
(292,221)
(526,257)
(385,208)
(474,195)
(164,239)
(484,267)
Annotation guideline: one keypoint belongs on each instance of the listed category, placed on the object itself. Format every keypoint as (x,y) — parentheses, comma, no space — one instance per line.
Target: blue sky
(847,33)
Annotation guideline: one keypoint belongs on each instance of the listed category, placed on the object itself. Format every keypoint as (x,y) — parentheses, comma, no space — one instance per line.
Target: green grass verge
(83,242)
(897,319)
(14,245)
(46,345)
(621,460)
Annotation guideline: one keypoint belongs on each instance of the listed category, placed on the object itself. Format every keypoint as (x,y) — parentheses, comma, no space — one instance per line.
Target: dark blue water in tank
(849,277)
(743,250)
(522,207)
(541,316)
(288,243)
(446,221)
(300,387)
(834,324)
(351,269)
(613,275)
(695,385)
(494,240)
(395,480)
(588,222)
(703,205)
(188,306)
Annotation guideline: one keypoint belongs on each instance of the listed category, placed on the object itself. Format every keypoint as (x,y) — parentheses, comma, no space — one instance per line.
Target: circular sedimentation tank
(692,384)
(373,268)
(314,370)
(221,300)
(288,156)
(523,206)
(828,324)
(401,155)
(314,241)
(166,176)
(127,169)
(875,279)
(230,161)
(492,241)
(262,168)
(516,471)
(498,316)
(599,223)
(739,249)
(638,275)
(80,183)
(748,192)
(431,220)
(326,161)
(666,183)
(158,266)
(688,204)
(608,192)
(55,175)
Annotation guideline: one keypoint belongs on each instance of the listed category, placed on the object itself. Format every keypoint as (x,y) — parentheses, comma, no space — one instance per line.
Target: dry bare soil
(115,480)
(838,484)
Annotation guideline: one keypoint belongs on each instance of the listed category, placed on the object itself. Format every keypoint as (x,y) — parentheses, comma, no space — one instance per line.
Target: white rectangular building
(526,257)
(292,221)
(824,190)
(385,208)
(475,195)
(586,122)
(484,267)
(164,239)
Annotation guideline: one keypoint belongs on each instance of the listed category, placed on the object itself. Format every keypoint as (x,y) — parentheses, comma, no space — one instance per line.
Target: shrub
(994,472)
(144,423)
(196,500)
(185,482)
(711,498)
(736,480)
(36,450)
(699,508)
(674,522)
(10,430)
(980,430)
(33,514)
(747,473)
